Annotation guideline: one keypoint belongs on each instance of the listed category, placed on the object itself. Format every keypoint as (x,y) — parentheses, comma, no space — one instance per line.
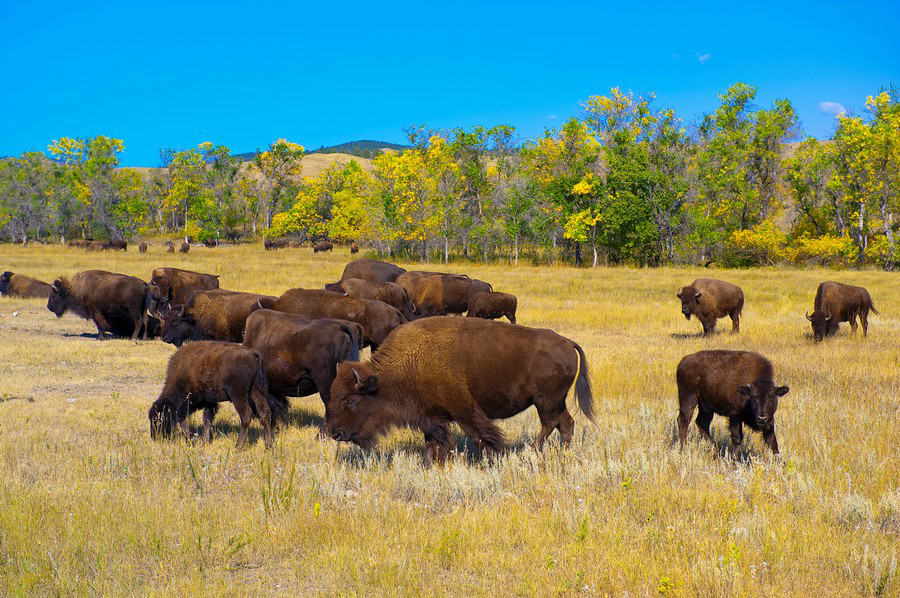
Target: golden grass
(89,505)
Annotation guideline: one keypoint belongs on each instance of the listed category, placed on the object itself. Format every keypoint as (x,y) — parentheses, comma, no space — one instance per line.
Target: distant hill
(365,148)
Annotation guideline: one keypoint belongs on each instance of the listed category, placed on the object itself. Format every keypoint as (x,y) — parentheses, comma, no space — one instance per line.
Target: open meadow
(90,505)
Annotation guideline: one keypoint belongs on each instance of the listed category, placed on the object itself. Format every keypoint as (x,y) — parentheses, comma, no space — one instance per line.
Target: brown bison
(202,375)
(273,244)
(491,306)
(171,247)
(211,243)
(710,299)
(104,297)
(80,243)
(354,248)
(19,285)
(301,354)
(372,270)
(445,294)
(185,247)
(176,285)
(388,292)
(836,303)
(216,314)
(117,245)
(410,280)
(437,371)
(377,318)
(736,384)
(142,248)
(323,246)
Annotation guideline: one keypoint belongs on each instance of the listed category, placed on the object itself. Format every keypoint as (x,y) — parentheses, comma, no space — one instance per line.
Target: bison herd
(427,369)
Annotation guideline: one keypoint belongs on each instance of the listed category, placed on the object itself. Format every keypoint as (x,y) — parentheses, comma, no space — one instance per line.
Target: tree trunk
(516,248)
(887,221)
(860,235)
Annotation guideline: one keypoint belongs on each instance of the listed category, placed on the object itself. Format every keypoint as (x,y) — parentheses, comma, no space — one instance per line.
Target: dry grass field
(89,505)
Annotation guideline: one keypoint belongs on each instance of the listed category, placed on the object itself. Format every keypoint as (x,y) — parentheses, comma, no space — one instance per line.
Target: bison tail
(872,309)
(583,393)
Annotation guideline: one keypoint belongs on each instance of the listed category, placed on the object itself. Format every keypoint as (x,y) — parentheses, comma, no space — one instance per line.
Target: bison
(836,303)
(388,292)
(372,270)
(176,285)
(445,294)
(273,244)
(19,285)
(142,248)
(354,248)
(436,371)
(104,297)
(491,306)
(117,245)
(710,299)
(202,375)
(185,247)
(171,247)
(323,246)
(377,318)
(301,354)
(736,384)
(215,314)
(410,280)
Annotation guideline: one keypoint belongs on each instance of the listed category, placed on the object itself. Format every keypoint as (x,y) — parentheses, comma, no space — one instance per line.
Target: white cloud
(832,108)
(702,58)
(552,117)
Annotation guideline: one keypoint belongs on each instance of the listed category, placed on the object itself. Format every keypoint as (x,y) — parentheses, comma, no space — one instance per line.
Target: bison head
(58,302)
(161,419)
(821,322)
(176,326)
(690,300)
(335,287)
(355,413)
(4,282)
(160,293)
(762,398)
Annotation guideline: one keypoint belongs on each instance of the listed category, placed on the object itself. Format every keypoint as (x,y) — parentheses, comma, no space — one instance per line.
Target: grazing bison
(445,294)
(273,244)
(836,303)
(110,300)
(19,285)
(410,280)
(171,248)
(491,306)
(216,314)
(202,375)
(117,245)
(80,243)
(388,292)
(377,318)
(710,299)
(301,354)
(185,247)
(354,248)
(323,246)
(736,384)
(142,248)
(433,372)
(371,270)
(176,285)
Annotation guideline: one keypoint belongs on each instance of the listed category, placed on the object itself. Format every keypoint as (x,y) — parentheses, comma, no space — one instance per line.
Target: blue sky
(160,74)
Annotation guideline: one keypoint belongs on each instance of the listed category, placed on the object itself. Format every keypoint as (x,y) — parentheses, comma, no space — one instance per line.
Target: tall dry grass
(89,505)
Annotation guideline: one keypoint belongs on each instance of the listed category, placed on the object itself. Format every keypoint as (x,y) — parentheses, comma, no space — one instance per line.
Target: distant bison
(301,353)
(371,270)
(437,371)
(117,245)
(19,285)
(80,243)
(491,306)
(836,303)
(215,314)
(185,247)
(388,292)
(736,384)
(211,243)
(171,248)
(273,244)
(710,299)
(104,297)
(202,375)
(445,294)
(323,246)
(354,248)
(377,318)
(142,248)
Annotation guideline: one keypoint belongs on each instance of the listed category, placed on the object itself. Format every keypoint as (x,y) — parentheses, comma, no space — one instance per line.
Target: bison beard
(442,370)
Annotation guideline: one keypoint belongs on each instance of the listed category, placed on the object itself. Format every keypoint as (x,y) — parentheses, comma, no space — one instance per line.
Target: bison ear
(367,385)
(745,389)
(781,391)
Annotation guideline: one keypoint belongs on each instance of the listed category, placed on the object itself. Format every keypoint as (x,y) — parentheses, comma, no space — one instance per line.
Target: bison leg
(769,437)
(182,413)
(477,426)
(853,324)
(736,321)
(687,402)
(709,325)
(566,428)
(736,426)
(864,320)
(261,402)
(102,324)
(209,413)
(437,445)
(704,419)
(245,413)
(551,414)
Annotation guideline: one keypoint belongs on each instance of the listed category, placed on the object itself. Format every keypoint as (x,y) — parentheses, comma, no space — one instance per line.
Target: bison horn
(807,317)
(359,379)
(54,287)
(828,319)
(697,296)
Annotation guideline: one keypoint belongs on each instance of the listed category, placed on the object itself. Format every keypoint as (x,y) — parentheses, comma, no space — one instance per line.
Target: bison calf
(710,299)
(736,384)
(491,306)
(202,375)
(836,303)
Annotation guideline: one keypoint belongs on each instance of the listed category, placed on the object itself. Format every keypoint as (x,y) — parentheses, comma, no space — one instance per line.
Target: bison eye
(351,403)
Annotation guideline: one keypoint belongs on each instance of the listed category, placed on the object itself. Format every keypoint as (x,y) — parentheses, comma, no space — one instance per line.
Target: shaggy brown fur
(215,314)
(202,375)
(491,306)
(389,292)
(445,294)
(185,247)
(104,297)
(19,285)
(436,371)
(736,384)
(836,303)
(377,318)
(710,299)
(323,246)
(354,248)
(274,244)
(371,270)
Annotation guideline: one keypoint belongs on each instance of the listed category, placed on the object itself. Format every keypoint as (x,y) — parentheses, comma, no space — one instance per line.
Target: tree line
(623,183)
